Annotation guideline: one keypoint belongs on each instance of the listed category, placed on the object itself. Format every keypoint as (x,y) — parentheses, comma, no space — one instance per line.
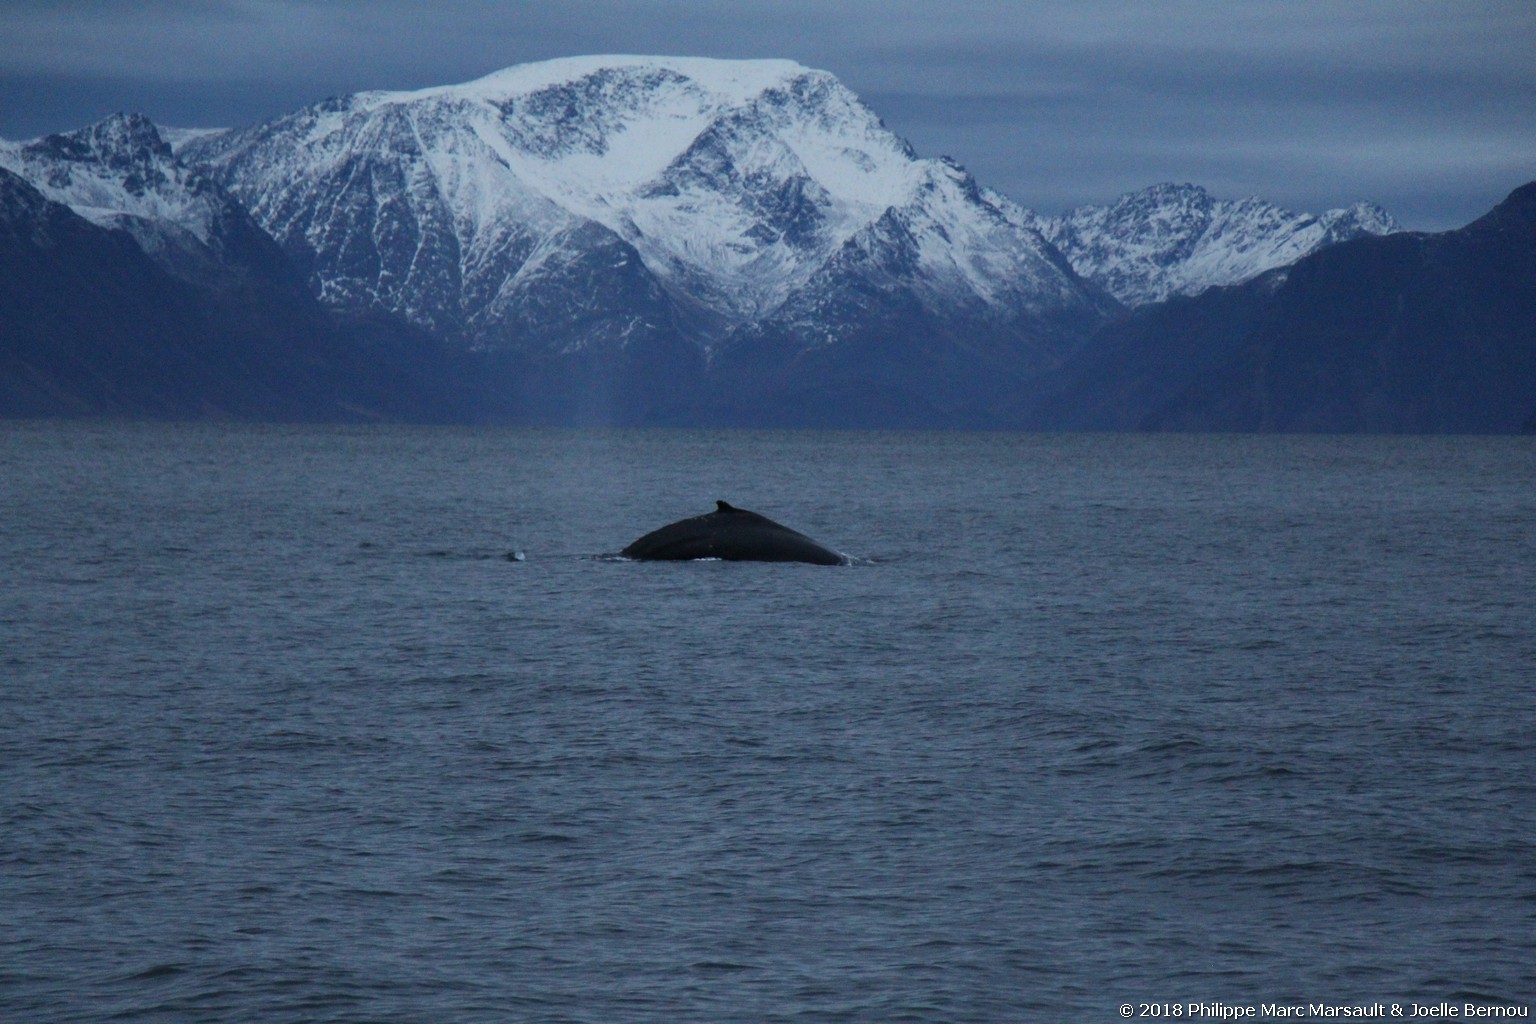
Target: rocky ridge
(1169,239)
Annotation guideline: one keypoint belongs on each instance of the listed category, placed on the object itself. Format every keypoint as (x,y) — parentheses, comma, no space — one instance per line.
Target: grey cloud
(1055,103)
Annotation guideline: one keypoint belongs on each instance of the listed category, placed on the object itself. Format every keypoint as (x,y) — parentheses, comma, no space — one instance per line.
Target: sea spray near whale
(733,534)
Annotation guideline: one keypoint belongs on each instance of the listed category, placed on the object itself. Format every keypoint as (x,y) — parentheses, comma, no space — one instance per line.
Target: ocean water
(289,733)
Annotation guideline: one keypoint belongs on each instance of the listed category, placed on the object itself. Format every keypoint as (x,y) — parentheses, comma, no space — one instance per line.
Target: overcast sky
(1425,106)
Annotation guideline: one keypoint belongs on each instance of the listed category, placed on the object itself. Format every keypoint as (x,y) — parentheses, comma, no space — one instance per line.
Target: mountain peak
(122,174)
(733,80)
(128,145)
(1167,193)
(1171,239)
(115,167)
(118,133)
(1358,219)
(1516,213)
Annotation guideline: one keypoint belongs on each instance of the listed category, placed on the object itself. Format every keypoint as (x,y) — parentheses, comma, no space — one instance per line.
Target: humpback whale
(733,534)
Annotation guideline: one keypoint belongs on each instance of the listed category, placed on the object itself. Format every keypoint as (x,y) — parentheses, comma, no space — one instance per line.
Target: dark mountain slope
(92,325)
(1431,333)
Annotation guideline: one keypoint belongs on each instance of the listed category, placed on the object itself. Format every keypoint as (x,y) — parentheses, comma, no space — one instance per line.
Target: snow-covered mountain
(584,203)
(590,240)
(1179,240)
(120,174)
(152,295)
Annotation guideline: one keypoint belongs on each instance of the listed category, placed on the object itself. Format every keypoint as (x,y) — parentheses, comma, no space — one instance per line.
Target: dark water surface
(1094,720)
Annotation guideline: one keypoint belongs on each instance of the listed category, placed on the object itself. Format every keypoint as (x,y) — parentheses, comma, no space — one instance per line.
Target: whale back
(732,534)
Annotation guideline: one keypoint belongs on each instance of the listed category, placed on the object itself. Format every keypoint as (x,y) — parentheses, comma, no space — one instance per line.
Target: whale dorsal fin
(723,506)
